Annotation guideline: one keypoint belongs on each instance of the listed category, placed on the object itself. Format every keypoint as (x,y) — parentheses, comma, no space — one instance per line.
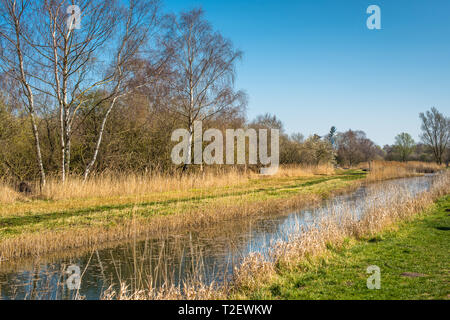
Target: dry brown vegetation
(121,185)
(8,194)
(382,170)
(190,291)
(107,186)
(305,170)
(134,184)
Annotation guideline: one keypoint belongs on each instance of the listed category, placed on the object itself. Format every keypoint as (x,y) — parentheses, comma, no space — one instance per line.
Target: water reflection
(211,253)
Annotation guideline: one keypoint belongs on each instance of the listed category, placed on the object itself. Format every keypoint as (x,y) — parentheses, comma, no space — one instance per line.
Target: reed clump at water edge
(384,170)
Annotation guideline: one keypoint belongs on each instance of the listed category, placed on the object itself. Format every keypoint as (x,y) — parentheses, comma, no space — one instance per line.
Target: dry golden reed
(383,170)
(108,186)
(132,184)
(191,291)
(47,242)
(117,185)
(305,170)
(8,195)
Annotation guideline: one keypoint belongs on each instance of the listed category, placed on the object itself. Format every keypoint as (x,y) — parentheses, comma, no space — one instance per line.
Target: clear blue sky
(315,64)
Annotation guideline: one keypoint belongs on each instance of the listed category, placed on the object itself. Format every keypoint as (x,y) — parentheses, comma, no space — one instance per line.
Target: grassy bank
(413,258)
(39,226)
(77,215)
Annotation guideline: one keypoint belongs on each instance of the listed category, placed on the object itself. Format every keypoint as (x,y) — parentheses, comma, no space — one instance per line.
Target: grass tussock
(8,195)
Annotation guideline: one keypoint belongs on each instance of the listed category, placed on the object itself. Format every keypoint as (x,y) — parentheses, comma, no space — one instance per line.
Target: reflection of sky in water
(215,251)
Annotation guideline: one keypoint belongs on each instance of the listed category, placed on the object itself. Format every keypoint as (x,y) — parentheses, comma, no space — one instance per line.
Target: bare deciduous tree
(71,64)
(134,32)
(354,147)
(435,132)
(17,60)
(73,57)
(204,64)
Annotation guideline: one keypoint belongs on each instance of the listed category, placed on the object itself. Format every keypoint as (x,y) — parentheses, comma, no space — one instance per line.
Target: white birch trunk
(99,140)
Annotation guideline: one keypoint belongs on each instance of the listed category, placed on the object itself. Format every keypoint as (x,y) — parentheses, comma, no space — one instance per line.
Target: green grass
(46,215)
(421,246)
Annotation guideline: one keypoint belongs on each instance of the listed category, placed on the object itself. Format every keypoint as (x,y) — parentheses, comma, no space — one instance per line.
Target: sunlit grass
(419,247)
(67,216)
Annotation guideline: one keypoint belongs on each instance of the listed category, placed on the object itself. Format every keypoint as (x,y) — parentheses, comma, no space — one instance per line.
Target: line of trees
(353,146)
(434,144)
(129,74)
(108,96)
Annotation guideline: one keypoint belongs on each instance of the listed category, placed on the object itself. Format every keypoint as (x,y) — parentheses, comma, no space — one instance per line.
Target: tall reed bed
(383,170)
(110,185)
(116,185)
(161,281)
(113,185)
(305,170)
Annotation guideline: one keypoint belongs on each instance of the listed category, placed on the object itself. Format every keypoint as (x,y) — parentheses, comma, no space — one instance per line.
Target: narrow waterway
(210,253)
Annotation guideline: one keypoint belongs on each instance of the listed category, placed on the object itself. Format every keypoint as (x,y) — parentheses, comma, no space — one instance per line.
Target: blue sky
(315,64)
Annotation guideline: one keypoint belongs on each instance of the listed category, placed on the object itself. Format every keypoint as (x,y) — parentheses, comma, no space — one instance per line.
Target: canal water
(210,254)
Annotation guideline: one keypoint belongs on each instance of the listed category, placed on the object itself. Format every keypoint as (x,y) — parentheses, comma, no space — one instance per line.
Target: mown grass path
(414,262)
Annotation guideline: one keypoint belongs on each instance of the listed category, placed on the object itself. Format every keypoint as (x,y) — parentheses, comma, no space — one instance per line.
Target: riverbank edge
(35,245)
(70,242)
(326,275)
(257,275)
